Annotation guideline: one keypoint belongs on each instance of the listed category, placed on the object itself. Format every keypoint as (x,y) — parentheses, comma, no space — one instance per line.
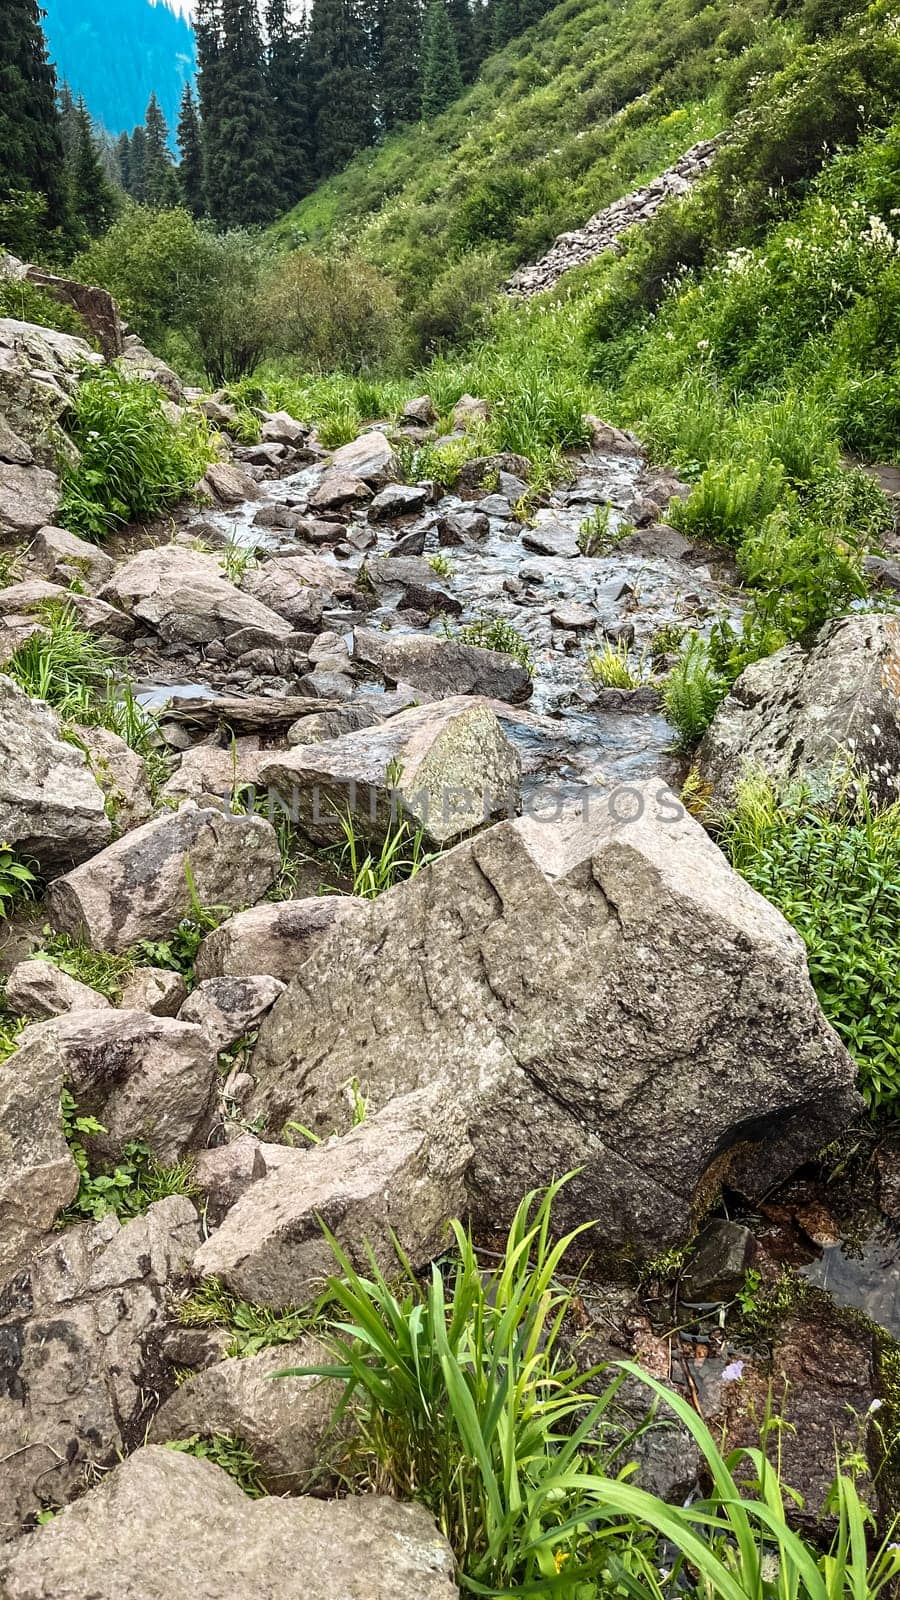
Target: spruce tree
(246,189)
(400,78)
(190,148)
(92,193)
(505,22)
(344,98)
(161,184)
(137,166)
(531,11)
(441,77)
(289,91)
(31,151)
(123,157)
(460,14)
(68,121)
(208,33)
(482,31)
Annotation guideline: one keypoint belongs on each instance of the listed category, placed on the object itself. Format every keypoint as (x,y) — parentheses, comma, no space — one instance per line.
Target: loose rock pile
(576,249)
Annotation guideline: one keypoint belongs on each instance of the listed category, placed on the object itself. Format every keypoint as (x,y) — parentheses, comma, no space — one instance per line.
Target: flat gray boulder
(601,992)
(185,597)
(51,807)
(29,498)
(812,714)
(141,886)
(40,989)
(285,1423)
(441,667)
(277,938)
(61,556)
(142,1077)
(38,1176)
(369,458)
(397,1176)
(447,767)
(81,1336)
(164,1525)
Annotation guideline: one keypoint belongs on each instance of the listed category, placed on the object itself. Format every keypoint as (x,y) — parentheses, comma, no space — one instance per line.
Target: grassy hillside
(599,96)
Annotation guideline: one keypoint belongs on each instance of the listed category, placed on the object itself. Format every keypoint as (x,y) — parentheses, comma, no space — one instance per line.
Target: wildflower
(734,1372)
(876,1405)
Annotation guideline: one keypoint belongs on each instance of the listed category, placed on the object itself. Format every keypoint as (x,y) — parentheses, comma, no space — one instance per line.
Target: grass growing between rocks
(230,1453)
(458,1394)
(133,1184)
(252,1328)
(99,969)
(832,867)
(133,460)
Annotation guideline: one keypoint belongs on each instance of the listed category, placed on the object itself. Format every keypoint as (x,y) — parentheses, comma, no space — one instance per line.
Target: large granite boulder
(286,1423)
(39,371)
(39,989)
(441,667)
(397,1178)
(29,498)
(140,1076)
(38,1176)
(447,767)
(186,598)
(62,557)
(164,1525)
(811,714)
(81,1356)
(143,884)
(369,458)
(51,807)
(602,993)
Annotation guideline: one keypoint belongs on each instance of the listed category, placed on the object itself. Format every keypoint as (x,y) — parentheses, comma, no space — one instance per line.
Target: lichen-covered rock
(30,597)
(811,714)
(165,1525)
(286,1424)
(39,370)
(601,992)
(369,458)
(398,1176)
(29,498)
(447,766)
(142,1077)
(154,989)
(140,886)
(441,667)
(121,774)
(51,806)
(277,937)
(80,1355)
(61,556)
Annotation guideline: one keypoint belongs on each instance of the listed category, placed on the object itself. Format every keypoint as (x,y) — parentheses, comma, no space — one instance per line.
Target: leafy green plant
(178,952)
(253,1328)
(439,564)
(227,1451)
(16,878)
(133,1184)
(495,633)
(595,537)
(133,462)
(401,856)
(693,691)
(832,865)
(460,1397)
(611,667)
(729,500)
(62,663)
(236,558)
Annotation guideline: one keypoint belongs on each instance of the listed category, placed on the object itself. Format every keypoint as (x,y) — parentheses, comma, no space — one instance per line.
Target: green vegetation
(693,692)
(595,538)
(253,1328)
(133,1184)
(25,302)
(178,951)
(611,667)
(99,969)
(133,461)
(16,878)
(225,1450)
(495,633)
(833,867)
(401,856)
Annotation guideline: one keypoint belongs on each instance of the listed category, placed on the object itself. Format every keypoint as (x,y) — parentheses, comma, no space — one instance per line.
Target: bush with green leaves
(832,866)
(133,461)
(693,691)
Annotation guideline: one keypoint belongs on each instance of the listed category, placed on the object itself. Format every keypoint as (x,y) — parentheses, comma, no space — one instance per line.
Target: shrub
(330,312)
(133,462)
(693,691)
(728,501)
(455,309)
(25,302)
(832,867)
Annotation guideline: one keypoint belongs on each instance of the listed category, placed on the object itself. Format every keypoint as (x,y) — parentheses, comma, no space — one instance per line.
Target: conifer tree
(441,77)
(344,101)
(245,190)
(190,167)
(400,78)
(94,198)
(208,34)
(68,121)
(137,166)
(123,157)
(31,151)
(531,11)
(482,31)
(161,184)
(289,90)
(460,14)
(505,22)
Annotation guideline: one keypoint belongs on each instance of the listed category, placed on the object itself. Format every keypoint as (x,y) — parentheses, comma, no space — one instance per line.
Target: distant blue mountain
(115,52)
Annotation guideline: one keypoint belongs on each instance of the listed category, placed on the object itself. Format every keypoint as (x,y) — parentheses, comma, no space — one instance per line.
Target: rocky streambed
(565,987)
